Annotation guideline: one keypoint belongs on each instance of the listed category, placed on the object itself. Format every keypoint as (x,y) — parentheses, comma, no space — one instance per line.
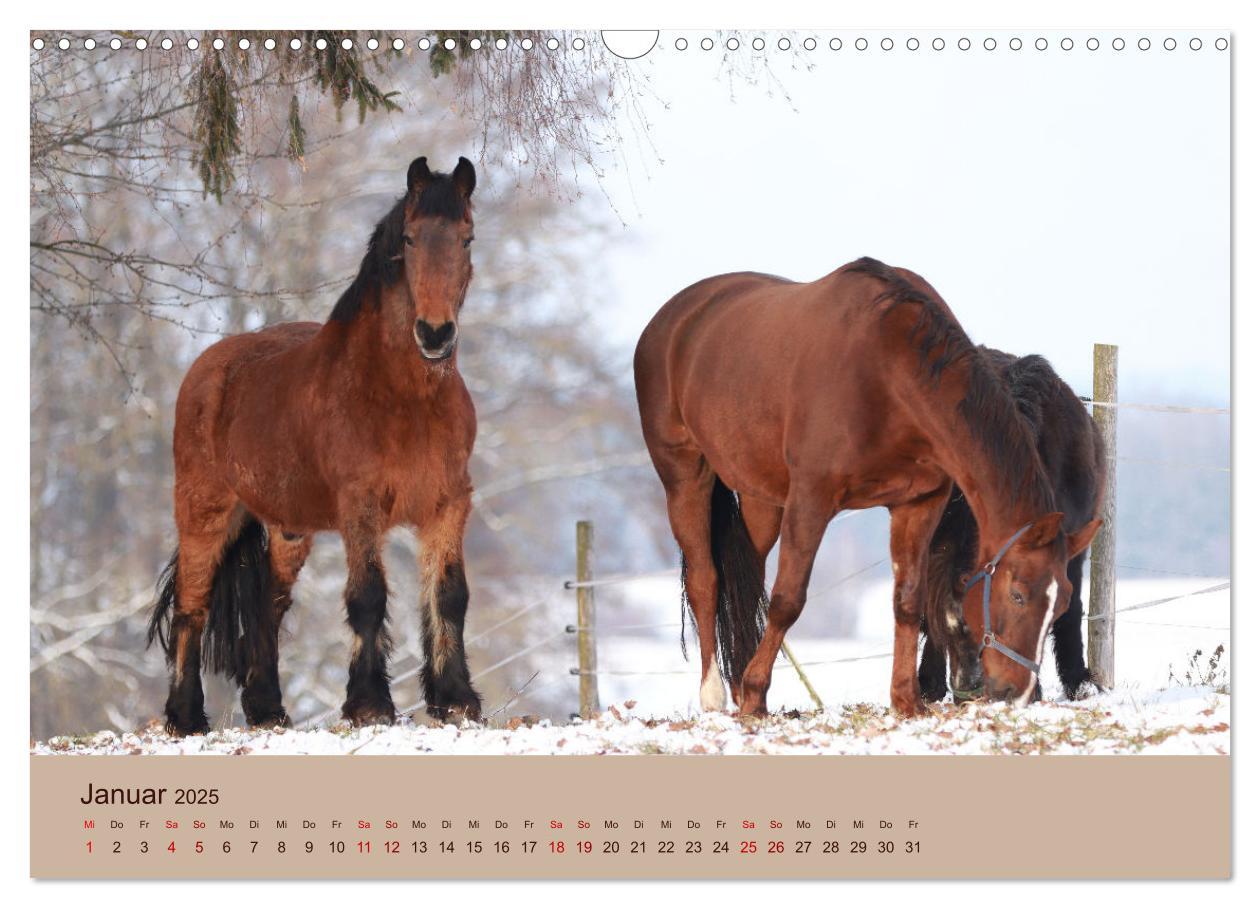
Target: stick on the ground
(813,694)
(516,695)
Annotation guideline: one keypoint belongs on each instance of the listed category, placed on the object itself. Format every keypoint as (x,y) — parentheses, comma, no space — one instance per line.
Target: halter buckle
(990,568)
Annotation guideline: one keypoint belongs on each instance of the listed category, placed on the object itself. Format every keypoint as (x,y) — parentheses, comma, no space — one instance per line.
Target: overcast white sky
(1054,198)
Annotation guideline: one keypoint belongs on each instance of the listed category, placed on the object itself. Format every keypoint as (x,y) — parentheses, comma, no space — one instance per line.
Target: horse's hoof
(456,713)
(177,729)
(910,709)
(752,708)
(374,714)
(1082,690)
(275,720)
(933,694)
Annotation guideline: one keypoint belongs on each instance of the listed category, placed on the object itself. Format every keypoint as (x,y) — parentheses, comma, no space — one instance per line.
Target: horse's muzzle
(436,344)
(966,695)
(436,356)
(967,682)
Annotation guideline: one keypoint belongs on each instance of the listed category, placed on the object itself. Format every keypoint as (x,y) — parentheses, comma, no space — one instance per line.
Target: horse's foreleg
(912,527)
(260,694)
(1069,647)
(368,701)
(764,522)
(805,519)
(932,671)
(444,680)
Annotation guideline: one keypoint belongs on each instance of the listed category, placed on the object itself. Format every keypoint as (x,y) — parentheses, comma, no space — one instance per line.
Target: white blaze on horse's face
(1052,601)
(1052,604)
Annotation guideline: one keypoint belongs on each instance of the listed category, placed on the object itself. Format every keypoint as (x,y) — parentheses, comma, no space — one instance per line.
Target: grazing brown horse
(1071,449)
(357,425)
(858,390)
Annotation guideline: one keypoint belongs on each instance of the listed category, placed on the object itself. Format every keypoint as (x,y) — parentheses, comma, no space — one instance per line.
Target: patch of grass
(1203,674)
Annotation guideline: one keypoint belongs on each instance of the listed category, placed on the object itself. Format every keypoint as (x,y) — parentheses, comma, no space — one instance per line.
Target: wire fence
(885,652)
(571,631)
(605,632)
(1157,408)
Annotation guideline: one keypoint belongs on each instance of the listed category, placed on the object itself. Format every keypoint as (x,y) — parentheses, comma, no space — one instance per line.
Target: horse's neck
(382,352)
(1004,495)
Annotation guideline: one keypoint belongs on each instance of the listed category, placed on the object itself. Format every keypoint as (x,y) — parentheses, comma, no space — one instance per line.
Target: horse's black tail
(741,599)
(238,629)
(164,608)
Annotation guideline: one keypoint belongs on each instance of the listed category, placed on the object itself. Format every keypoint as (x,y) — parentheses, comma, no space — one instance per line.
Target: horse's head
(1027,588)
(437,233)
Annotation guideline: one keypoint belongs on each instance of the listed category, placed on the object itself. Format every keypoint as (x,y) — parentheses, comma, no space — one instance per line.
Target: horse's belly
(274,478)
(891,484)
(282,495)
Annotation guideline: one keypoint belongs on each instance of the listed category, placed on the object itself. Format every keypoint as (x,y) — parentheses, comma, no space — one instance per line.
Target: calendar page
(699,454)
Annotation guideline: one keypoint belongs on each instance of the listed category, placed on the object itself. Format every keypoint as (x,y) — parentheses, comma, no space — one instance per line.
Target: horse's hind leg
(444,679)
(1069,648)
(688,482)
(202,539)
(260,694)
(185,703)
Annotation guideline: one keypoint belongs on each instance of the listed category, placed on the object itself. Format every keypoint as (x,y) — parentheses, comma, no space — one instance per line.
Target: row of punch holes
(579,43)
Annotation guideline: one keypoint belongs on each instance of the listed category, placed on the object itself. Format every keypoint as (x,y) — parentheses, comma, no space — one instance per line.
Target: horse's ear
(418,176)
(1079,541)
(1043,531)
(465,177)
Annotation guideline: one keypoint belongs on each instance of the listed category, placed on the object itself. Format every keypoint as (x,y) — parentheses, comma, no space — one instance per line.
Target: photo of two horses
(767,407)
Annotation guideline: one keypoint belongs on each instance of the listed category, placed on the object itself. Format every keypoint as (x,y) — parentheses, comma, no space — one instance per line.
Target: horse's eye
(468,242)
(408,240)
(1017,598)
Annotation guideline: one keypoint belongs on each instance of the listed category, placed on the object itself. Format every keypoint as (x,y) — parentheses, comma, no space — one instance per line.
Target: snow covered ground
(1167,699)
(1179,720)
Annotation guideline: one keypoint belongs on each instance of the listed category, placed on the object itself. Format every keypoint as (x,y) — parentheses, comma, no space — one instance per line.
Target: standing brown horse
(357,425)
(858,390)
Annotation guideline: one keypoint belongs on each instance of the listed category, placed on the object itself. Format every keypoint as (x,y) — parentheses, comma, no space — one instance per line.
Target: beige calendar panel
(610,817)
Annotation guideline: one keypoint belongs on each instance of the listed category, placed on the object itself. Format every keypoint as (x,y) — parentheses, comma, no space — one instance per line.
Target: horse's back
(738,367)
(685,305)
(236,350)
(765,311)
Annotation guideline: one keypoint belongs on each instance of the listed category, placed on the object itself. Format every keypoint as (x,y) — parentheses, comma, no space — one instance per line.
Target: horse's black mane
(382,264)
(989,408)
(1030,380)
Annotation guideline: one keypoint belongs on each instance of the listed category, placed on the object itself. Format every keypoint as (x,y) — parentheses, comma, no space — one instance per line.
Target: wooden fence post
(588,681)
(1102,560)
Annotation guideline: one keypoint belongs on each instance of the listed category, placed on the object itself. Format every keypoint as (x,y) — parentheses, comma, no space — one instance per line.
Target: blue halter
(990,639)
